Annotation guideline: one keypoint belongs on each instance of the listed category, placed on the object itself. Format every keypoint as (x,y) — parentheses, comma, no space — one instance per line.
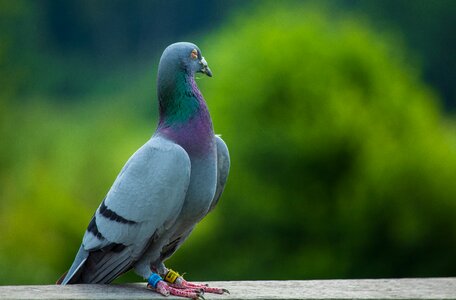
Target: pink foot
(181,283)
(167,289)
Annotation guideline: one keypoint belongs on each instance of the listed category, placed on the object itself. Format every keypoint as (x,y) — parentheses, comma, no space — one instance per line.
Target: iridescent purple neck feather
(184,116)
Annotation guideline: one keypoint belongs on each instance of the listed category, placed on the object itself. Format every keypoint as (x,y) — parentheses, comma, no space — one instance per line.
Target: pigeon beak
(204,68)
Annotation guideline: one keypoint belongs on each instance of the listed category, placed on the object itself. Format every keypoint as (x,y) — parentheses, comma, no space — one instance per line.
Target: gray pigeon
(166,187)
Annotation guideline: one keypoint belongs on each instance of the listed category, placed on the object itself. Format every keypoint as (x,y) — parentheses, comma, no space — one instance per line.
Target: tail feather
(60,280)
(73,274)
(111,265)
(99,266)
(112,273)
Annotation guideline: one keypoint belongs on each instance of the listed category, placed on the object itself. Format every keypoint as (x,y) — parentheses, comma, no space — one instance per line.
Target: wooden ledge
(407,288)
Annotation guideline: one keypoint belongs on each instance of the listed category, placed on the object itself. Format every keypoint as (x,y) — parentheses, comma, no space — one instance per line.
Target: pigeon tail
(73,274)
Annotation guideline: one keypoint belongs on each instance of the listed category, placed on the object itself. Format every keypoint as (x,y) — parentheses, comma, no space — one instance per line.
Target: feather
(165,188)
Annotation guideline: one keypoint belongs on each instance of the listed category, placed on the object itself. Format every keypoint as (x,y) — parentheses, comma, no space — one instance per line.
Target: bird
(165,188)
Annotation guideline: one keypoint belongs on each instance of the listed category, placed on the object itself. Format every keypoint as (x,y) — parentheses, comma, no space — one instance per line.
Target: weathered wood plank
(422,288)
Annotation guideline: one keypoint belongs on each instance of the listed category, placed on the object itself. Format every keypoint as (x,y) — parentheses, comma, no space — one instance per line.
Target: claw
(182,288)
(167,289)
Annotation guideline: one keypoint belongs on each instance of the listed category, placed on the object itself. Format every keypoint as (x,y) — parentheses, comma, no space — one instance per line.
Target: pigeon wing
(223,168)
(145,200)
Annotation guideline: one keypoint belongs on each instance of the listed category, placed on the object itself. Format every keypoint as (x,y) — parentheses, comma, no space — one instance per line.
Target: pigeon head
(184,57)
(179,98)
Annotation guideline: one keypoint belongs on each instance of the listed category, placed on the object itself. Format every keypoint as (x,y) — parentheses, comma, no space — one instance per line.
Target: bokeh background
(339,116)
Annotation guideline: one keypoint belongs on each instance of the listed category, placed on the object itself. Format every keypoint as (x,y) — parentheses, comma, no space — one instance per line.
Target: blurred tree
(87,37)
(428,27)
(342,165)
(118,31)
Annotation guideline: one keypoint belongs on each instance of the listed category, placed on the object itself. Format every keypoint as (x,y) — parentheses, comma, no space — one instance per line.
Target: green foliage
(342,165)
(57,165)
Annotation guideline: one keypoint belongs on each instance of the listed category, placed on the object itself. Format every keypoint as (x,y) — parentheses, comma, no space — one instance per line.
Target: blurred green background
(339,116)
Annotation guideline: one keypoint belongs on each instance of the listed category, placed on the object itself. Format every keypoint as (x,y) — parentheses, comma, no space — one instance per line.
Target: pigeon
(166,187)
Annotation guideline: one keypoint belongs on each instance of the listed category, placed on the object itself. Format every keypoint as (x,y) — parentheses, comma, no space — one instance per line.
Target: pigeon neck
(184,116)
(177,100)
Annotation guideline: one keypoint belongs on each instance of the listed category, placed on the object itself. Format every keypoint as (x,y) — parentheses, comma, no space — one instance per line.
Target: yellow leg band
(171,276)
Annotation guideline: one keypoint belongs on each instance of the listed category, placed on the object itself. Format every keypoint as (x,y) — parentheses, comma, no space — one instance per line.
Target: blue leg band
(154,278)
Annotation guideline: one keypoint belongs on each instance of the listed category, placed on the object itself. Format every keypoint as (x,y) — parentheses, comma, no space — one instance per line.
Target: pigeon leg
(177,281)
(156,283)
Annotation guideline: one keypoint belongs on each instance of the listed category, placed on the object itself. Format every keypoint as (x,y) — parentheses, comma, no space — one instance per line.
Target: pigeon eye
(194,54)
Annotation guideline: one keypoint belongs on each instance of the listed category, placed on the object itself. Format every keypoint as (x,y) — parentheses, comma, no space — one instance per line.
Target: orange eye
(194,54)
